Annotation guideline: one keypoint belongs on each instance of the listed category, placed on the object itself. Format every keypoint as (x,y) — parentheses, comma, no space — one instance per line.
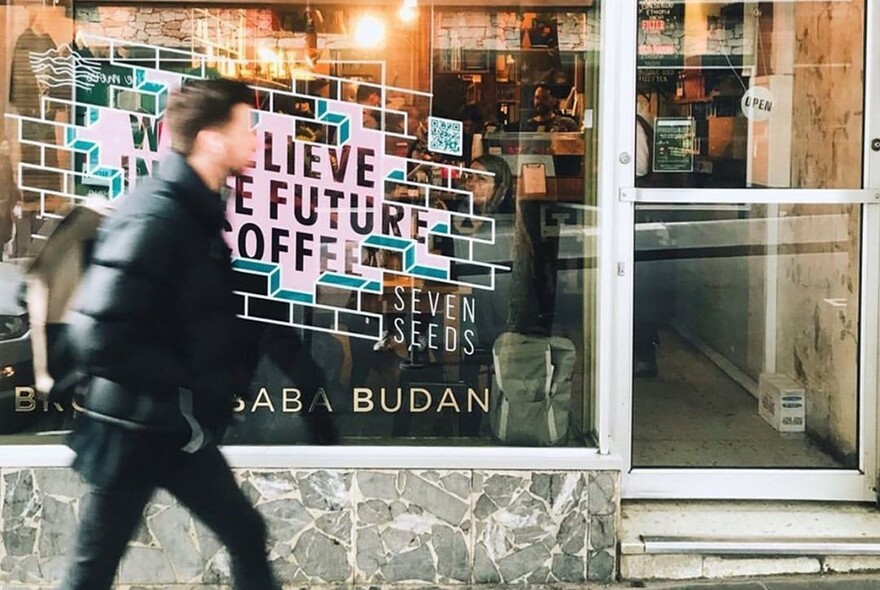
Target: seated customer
(492,197)
(368,95)
(546,116)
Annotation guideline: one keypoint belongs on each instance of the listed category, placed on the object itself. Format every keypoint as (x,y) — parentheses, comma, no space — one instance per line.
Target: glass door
(751,256)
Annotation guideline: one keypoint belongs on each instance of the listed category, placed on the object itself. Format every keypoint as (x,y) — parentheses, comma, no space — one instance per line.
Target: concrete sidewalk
(812,582)
(809,582)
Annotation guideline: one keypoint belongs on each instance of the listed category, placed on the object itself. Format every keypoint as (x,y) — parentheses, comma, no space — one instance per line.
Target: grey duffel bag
(531,389)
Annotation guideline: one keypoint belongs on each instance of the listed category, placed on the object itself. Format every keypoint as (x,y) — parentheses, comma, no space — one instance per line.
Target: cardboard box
(782,402)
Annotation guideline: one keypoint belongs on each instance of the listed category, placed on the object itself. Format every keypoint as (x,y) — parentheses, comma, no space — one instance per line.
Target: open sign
(757,103)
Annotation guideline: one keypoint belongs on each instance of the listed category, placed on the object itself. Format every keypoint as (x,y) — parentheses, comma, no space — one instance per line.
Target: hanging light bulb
(369,32)
(408,11)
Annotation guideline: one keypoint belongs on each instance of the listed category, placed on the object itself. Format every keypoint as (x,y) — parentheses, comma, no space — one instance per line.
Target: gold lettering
(385,407)
(24,399)
(363,399)
(452,403)
(412,399)
(263,400)
(320,399)
(484,403)
(287,400)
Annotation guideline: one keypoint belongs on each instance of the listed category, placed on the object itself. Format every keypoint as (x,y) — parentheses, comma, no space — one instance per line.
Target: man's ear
(209,141)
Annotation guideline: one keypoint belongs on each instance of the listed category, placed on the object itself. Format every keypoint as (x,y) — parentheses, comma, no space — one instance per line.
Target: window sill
(362,457)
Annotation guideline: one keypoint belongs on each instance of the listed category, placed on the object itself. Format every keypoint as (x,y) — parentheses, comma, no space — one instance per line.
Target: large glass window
(416,238)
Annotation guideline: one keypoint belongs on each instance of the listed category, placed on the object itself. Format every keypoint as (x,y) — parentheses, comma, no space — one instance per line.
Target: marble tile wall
(818,346)
(342,527)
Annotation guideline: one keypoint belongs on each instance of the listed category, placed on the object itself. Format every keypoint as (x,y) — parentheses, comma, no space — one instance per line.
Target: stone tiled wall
(168,26)
(343,527)
(577,31)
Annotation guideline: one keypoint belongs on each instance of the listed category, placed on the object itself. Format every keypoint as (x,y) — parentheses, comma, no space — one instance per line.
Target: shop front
(514,268)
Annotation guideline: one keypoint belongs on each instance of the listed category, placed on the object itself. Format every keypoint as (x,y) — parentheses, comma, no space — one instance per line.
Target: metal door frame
(617,173)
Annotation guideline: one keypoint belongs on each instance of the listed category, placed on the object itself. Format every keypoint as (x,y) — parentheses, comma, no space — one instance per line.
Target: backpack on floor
(531,389)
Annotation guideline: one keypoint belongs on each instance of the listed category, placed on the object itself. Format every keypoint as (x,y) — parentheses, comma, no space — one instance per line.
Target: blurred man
(155,331)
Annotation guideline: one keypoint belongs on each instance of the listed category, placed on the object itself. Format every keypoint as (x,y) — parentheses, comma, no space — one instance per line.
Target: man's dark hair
(202,104)
(547,88)
(364,92)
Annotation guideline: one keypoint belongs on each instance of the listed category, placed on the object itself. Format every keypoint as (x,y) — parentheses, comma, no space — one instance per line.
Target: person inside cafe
(546,116)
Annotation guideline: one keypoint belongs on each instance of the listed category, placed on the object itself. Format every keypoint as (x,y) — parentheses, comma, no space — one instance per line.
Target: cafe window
(416,238)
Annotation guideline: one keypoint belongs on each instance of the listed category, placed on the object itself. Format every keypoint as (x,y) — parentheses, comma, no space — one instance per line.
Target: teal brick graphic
(259,277)
(388,242)
(250,265)
(92,116)
(463,220)
(147,97)
(406,248)
(89,149)
(297,296)
(113,177)
(342,281)
(343,125)
(154,97)
(430,273)
(409,194)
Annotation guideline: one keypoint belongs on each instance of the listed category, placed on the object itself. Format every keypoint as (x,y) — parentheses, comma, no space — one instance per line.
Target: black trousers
(202,482)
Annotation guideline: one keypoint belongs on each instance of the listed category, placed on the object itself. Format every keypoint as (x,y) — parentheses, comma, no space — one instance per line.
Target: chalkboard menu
(674,144)
(661,33)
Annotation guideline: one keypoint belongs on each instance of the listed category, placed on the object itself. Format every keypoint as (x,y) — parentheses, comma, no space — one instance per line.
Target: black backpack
(53,277)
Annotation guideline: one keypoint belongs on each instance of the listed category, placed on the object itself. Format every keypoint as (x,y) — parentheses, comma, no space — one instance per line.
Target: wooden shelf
(702,99)
(463,72)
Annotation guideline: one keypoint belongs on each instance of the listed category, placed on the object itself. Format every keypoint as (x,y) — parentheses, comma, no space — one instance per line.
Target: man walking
(154,327)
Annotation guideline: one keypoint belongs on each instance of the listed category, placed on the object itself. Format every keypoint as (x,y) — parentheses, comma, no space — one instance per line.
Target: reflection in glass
(774,91)
(426,186)
(746,336)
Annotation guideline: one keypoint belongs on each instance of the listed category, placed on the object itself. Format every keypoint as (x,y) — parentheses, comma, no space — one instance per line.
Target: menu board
(660,34)
(674,144)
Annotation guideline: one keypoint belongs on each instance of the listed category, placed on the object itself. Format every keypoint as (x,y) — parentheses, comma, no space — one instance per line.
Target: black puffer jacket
(156,312)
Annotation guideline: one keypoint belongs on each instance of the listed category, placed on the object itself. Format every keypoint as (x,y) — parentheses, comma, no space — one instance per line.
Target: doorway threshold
(716,539)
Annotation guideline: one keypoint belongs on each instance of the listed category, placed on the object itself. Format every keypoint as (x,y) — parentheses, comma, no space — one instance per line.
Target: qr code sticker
(445,136)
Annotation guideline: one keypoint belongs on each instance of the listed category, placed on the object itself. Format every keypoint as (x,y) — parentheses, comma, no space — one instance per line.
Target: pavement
(786,582)
(810,582)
